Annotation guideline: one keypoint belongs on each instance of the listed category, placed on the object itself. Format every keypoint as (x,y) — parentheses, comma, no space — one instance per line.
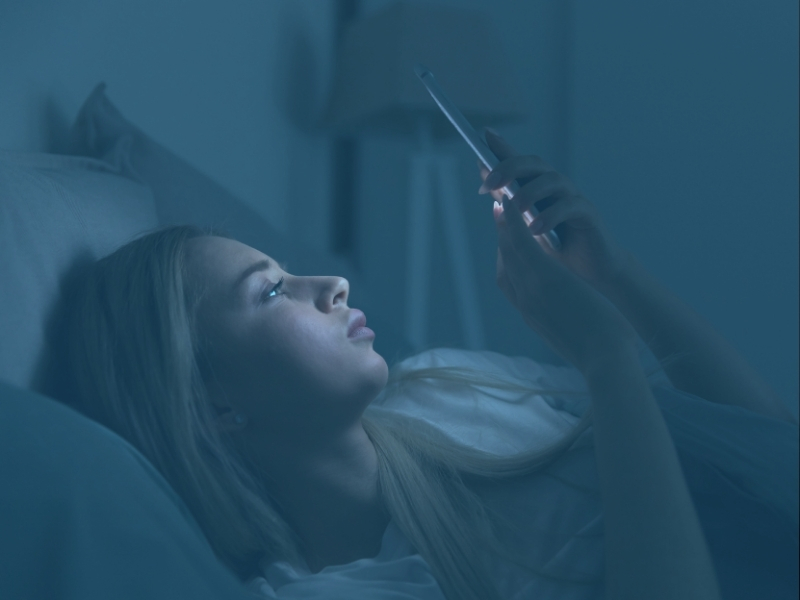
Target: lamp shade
(376,90)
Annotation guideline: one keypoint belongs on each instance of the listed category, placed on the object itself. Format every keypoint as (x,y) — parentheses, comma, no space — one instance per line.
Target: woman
(244,387)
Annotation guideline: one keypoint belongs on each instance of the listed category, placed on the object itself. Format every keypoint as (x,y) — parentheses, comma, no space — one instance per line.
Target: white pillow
(84,515)
(56,212)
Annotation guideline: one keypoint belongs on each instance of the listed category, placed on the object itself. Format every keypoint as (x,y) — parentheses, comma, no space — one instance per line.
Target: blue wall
(231,87)
(684,132)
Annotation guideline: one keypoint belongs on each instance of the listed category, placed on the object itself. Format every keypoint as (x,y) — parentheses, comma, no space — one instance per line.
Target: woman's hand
(579,323)
(587,248)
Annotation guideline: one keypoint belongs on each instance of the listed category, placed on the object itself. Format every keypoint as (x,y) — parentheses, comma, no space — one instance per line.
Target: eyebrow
(261,265)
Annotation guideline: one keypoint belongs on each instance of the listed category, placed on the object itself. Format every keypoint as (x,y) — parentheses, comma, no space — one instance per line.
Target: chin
(379,377)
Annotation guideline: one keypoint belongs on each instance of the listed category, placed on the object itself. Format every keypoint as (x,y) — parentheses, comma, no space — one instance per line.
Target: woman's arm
(655,548)
(654,545)
(705,364)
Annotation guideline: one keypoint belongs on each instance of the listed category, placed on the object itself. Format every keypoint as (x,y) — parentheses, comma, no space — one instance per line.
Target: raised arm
(704,363)
(654,545)
(655,548)
(695,357)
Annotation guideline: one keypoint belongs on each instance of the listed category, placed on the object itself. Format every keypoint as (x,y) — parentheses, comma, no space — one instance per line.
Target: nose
(333,292)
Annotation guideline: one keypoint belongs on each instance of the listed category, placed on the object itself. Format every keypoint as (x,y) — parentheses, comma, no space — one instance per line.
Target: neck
(329,493)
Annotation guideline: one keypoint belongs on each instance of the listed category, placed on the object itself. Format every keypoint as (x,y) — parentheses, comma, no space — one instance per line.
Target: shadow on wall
(53,376)
(296,75)
(56,126)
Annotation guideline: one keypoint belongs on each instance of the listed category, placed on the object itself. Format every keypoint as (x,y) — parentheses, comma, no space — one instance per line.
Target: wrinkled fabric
(741,469)
(396,573)
(84,516)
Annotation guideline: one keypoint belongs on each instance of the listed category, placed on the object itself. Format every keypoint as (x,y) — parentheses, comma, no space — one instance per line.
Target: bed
(84,515)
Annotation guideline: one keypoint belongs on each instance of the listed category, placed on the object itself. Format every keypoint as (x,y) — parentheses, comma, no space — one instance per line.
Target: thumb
(518,249)
(515,235)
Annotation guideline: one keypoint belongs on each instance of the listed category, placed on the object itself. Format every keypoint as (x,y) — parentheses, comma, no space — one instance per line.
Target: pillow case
(56,213)
(84,515)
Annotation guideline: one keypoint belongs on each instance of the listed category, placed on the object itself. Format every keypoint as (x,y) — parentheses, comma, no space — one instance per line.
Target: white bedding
(741,469)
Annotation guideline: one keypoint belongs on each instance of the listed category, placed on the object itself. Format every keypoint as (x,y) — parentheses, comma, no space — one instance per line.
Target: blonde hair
(135,352)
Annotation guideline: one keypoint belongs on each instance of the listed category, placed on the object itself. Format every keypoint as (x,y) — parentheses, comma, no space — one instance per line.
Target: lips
(357,319)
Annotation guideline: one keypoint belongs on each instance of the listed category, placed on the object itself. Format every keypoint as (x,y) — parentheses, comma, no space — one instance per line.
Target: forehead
(216,262)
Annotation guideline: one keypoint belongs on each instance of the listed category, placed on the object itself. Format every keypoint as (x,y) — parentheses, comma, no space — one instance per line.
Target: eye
(267,294)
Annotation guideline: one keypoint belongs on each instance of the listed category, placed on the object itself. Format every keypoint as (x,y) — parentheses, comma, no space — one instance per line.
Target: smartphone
(475,142)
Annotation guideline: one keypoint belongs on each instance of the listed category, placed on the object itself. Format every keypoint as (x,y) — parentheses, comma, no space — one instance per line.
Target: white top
(556,527)
(396,573)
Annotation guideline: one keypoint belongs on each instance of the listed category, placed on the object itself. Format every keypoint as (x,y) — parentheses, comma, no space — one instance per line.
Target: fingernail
(498,214)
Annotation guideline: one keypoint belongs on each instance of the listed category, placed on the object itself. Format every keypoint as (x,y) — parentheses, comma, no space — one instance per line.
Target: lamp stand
(436,172)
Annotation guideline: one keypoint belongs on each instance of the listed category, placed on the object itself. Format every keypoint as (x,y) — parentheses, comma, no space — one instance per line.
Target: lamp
(376,91)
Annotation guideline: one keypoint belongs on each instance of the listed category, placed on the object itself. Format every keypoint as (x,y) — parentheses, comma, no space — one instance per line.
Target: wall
(232,87)
(685,134)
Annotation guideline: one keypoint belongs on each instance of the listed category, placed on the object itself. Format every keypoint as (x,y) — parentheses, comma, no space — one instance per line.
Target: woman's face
(281,356)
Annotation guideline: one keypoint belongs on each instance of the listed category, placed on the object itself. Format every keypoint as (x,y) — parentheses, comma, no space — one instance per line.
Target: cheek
(314,352)
(312,360)
(300,362)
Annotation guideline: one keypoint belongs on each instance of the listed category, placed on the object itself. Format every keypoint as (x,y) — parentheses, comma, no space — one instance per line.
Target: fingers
(565,201)
(501,148)
(511,167)
(496,194)
(515,167)
(571,208)
(518,234)
(507,256)
(551,184)
(504,283)
(520,251)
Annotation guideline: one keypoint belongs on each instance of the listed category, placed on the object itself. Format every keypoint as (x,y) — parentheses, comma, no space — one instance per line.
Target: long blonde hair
(134,351)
